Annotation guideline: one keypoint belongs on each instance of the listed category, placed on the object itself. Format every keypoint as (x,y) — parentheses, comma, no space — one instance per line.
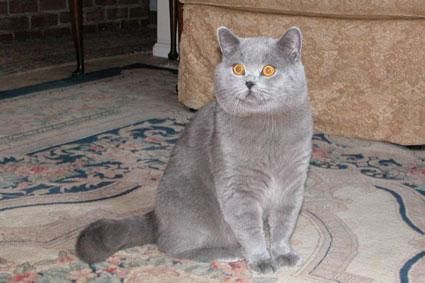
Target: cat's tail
(106,236)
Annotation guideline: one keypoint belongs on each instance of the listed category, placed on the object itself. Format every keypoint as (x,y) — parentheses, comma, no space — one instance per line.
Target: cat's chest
(272,163)
(265,163)
(266,172)
(263,153)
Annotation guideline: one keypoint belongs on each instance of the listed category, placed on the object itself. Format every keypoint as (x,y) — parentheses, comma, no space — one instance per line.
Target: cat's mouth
(250,97)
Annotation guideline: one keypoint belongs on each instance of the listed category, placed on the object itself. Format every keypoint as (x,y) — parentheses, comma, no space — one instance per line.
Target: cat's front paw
(289,259)
(263,266)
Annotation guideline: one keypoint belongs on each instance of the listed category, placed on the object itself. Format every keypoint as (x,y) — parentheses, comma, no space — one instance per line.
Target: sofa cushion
(364,78)
(331,8)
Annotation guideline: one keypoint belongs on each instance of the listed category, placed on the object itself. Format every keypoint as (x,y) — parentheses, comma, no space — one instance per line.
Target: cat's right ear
(227,40)
(291,44)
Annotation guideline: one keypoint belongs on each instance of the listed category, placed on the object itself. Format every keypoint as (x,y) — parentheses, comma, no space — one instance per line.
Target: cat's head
(260,75)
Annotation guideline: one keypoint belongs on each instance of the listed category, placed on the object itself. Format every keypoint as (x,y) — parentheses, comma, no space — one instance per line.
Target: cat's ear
(291,44)
(227,40)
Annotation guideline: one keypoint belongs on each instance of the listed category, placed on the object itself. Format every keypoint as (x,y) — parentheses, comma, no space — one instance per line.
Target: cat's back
(190,156)
(199,130)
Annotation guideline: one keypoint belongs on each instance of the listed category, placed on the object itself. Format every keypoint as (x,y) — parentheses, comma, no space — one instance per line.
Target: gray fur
(234,184)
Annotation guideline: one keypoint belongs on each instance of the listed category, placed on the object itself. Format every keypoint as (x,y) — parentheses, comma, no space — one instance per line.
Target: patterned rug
(73,155)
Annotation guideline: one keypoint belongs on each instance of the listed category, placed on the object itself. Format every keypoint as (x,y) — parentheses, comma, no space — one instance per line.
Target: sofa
(365,60)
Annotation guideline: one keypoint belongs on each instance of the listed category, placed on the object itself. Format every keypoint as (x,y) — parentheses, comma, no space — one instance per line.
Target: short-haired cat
(234,184)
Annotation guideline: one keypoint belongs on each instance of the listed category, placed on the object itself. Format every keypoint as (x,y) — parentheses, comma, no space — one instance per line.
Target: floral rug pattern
(90,163)
(131,265)
(94,162)
(330,154)
(362,219)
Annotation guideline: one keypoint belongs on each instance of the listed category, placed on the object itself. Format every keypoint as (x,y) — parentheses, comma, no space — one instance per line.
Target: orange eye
(268,70)
(239,69)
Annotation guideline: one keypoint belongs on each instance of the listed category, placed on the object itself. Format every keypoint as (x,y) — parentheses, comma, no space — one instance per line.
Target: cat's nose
(249,84)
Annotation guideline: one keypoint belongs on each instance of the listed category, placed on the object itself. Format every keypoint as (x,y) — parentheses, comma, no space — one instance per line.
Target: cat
(234,184)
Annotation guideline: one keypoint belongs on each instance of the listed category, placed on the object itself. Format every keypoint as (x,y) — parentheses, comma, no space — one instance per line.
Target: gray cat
(234,184)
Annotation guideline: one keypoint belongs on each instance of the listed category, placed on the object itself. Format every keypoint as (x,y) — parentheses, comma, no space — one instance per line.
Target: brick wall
(24,19)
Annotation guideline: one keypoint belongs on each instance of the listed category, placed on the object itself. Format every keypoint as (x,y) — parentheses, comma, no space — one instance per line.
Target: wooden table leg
(173,55)
(180,20)
(76,9)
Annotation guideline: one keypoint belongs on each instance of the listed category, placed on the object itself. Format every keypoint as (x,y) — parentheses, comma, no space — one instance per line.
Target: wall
(24,19)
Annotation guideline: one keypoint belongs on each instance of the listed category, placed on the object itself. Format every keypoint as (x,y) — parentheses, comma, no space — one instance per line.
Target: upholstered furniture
(365,60)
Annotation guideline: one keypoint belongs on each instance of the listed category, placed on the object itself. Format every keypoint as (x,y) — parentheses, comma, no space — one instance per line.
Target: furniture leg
(180,19)
(76,9)
(173,55)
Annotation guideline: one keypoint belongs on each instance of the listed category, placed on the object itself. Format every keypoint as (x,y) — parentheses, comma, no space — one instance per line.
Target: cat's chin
(248,104)
(259,110)
(247,109)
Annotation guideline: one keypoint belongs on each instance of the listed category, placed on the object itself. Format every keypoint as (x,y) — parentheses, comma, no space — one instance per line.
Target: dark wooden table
(76,9)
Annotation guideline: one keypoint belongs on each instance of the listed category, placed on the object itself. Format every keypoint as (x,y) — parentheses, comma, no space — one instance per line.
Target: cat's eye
(239,69)
(268,71)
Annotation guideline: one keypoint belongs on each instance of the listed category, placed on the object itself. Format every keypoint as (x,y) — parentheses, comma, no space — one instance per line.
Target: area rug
(73,155)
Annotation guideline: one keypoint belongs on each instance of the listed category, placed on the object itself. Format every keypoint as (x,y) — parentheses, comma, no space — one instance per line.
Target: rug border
(71,81)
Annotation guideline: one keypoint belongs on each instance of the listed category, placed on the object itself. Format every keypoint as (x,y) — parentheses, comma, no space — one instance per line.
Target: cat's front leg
(244,215)
(282,220)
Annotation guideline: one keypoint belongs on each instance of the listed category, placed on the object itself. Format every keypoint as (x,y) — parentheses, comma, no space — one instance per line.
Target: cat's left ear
(291,44)
(227,40)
